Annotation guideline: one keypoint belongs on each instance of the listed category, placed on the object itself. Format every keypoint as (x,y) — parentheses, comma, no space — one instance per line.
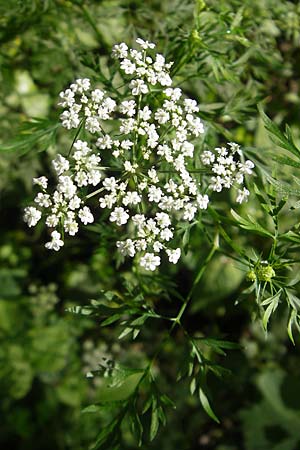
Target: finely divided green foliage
(174,341)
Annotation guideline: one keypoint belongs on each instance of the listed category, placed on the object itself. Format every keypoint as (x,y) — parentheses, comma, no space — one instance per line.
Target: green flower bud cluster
(263,272)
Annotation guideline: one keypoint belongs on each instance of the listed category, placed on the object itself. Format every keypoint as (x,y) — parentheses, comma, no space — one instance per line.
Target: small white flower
(108,201)
(109,104)
(207,157)
(153,175)
(126,144)
(104,142)
(137,56)
(141,245)
(202,201)
(163,219)
(174,94)
(97,95)
(81,178)
(32,216)
(52,221)
(131,198)
(119,215)
(222,151)
(164,78)
(83,84)
(66,186)
(120,51)
(159,62)
(131,168)
(154,194)
(92,124)
(82,146)
(41,181)
(85,215)
(173,255)
(70,119)
(126,248)
(110,183)
(60,164)
(157,246)
(94,177)
(166,234)
(56,243)
(145,114)
(127,126)
(43,200)
(138,219)
(151,77)
(128,67)
(162,116)
(239,178)
(235,148)
(67,98)
(128,107)
(216,184)
(242,195)
(145,44)
(151,227)
(246,167)
(219,169)
(195,124)
(138,87)
(150,261)
(189,212)
(71,226)
(187,149)
(190,105)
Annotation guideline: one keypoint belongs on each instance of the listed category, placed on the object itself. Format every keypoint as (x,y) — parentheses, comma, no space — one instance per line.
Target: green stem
(76,136)
(274,245)
(176,320)
(200,272)
(90,20)
(95,193)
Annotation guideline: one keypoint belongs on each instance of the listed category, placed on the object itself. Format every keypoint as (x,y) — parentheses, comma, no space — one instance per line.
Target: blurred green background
(229,55)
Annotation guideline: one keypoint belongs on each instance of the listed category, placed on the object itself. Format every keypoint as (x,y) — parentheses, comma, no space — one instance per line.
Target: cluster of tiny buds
(150,181)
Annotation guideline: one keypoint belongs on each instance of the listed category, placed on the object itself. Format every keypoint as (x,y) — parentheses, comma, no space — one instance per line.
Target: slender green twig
(76,136)
(89,18)
(177,319)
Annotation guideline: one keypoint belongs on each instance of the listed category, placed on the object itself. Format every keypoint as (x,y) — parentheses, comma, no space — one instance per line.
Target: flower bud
(265,273)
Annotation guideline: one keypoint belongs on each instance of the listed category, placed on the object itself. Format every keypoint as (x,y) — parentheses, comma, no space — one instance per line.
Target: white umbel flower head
(150,182)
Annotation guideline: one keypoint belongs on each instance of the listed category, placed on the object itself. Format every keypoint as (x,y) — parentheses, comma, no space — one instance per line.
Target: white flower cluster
(228,169)
(152,181)
(65,205)
(84,104)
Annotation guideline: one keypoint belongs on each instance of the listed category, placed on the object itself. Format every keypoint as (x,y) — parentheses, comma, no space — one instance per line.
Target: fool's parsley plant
(144,156)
